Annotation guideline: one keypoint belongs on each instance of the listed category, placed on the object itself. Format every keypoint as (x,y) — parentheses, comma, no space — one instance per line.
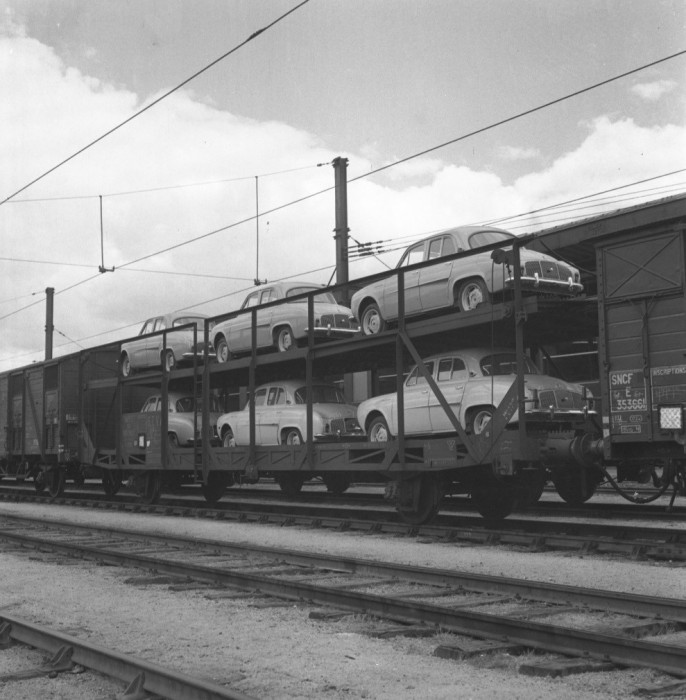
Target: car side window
(280,397)
(445,369)
(268,295)
(252,300)
(274,393)
(260,397)
(435,249)
(150,404)
(160,324)
(417,378)
(413,255)
(449,247)
(147,327)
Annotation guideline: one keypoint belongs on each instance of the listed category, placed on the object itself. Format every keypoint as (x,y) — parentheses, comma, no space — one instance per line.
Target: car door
(270,416)
(239,333)
(137,348)
(416,399)
(413,255)
(265,318)
(452,377)
(241,427)
(153,345)
(434,280)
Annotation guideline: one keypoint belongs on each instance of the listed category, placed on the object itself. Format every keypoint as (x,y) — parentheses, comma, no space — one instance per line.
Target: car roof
(463,231)
(286,285)
(293,384)
(477,353)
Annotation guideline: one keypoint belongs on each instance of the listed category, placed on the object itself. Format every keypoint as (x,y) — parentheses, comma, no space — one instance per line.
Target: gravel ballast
(278,652)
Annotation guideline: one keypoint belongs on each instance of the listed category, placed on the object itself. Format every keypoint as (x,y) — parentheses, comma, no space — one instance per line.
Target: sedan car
(183,428)
(151,350)
(281,416)
(285,325)
(473,383)
(463,283)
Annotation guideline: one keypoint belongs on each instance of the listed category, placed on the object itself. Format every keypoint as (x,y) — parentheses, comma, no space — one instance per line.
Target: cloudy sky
(374,81)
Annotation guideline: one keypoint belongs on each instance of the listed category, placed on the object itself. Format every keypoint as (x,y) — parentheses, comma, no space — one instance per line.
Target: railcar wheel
(378,430)
(372,321)
(111,482)
(55,480)
(222,350)
(125,365)
(575,486)
(216,485)
(336,483)
(421,500)
(292,436)
(494,499)
(478,419)
(471,294)
(152,487)
(39,482)
(290,483)
(284,339)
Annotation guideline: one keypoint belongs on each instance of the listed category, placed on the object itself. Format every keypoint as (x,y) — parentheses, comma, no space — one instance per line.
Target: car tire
(471,294)
(168,361)
(125,365)
(173,440)
(222,350)
(378,430)
(291,436)
(478,419)
(228,440)
(371,320)
(284,339)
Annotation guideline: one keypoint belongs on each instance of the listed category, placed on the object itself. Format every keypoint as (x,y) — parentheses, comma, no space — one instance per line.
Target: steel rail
(161,681)
(564,640)
(633,541)
(619,602)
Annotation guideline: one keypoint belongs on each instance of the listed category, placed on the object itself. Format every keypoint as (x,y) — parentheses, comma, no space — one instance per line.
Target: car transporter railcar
(76,416)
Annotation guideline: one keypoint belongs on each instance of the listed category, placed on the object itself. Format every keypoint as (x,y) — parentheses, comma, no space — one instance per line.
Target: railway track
(67,652)
(524,530)
(507,613)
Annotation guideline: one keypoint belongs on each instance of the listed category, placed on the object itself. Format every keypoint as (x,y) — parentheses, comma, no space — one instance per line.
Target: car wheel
(284,339)
(222,350)
(378,430)
(471,294)
(478,420)
(168,361)
(372,321)
(125,365)
(228,440)
(173,440)
(292,437)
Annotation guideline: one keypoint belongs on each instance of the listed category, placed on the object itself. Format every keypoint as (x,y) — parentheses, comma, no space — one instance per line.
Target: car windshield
(184,320)
(320,394)
(324,298)
(482,238)
(504,363)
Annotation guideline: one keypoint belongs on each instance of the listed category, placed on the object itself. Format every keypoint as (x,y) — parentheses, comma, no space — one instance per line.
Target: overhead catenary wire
(328,189)
(149,106)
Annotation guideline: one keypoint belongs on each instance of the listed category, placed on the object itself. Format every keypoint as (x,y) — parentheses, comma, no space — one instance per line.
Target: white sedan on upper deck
(460,284)
(282,326)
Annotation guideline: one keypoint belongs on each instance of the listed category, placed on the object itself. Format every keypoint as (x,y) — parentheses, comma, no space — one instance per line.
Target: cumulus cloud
(185,170)
(652,92)
(518,153)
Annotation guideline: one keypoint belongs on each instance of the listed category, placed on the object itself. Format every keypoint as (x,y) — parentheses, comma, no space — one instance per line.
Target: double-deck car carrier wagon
(77,415)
